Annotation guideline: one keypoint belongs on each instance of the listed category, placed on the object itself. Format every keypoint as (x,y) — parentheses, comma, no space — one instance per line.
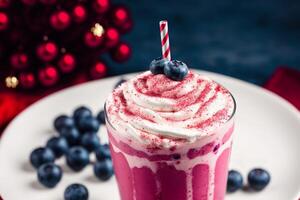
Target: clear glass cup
(192,171)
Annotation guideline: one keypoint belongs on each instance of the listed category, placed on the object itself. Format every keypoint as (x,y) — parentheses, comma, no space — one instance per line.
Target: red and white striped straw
(164,36)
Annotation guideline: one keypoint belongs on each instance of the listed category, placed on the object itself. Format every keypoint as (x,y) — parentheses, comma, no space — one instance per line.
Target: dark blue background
(244,39)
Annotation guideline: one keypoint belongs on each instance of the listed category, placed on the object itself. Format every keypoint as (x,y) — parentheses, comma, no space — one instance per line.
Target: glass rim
(229,119)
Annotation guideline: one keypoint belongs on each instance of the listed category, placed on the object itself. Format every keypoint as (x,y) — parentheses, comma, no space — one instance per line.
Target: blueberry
(258,179)
(72,136)
(77,158)
(120,83)
(88,124)
(103,152)
(234,181)
(63,121)
(58,145)
(41,156)
(101,117)
(49,174)
(176,70)
(81,112)
(76,191)
(90,141)
(103,170)
(157,65)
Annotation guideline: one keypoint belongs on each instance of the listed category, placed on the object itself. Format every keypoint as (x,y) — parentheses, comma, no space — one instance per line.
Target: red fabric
(11,104)
(286,83)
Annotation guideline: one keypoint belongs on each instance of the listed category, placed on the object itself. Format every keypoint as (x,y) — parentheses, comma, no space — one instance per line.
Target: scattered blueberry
(157,65)
(102,152)
(49,174)
(77,158)
(76,192)
(72,136)
(101,117)
(88,124)
(41,156)
(176,70)
(90,141)
(81,112)
(234,181)
(63,121)
(58,145)
(258,179)
(120,82)
(103,169)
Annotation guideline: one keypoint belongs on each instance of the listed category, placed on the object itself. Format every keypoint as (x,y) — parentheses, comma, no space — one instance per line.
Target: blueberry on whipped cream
(157,65)
(174,69)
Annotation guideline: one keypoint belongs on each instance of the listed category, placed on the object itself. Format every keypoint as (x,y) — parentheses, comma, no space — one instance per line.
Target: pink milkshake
(170,140)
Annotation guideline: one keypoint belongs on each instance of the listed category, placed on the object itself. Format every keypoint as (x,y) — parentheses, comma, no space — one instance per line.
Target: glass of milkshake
(170,140)
(170,132)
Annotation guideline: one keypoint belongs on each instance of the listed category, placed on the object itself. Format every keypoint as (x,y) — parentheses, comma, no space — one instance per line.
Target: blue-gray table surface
(243,39)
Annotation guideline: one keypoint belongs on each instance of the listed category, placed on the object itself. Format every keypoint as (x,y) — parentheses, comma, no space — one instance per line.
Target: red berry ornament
(60,20)
(79,13)
(93,40)
(67,63)
(48,76)
(3,21)
(47,51)
(4,3)
(99,70)
(120,15)
(19,60)
(121,53)
(112,37)
(27,80)
(101,6)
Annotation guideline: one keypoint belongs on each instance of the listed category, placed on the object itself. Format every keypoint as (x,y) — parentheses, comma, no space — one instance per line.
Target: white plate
(267,135)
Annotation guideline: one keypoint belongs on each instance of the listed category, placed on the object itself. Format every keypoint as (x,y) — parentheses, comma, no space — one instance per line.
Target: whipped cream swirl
(153,105)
